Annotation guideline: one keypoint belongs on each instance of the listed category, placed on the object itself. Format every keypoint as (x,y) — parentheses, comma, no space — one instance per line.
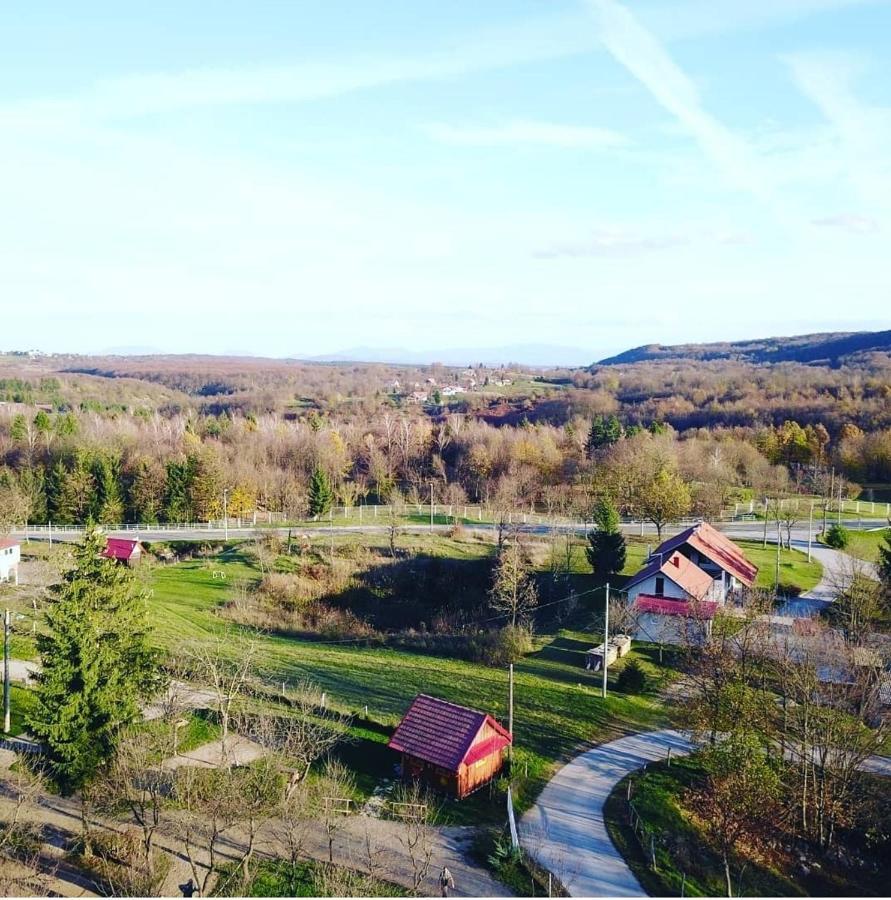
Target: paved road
(565,831)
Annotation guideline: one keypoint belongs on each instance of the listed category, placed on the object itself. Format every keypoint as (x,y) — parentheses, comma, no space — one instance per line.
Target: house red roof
(6,543)
(442,733)
(684,573)
(120,548)
(704,609)
(714,546)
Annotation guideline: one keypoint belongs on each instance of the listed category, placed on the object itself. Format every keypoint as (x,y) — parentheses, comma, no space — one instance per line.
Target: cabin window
(660,586)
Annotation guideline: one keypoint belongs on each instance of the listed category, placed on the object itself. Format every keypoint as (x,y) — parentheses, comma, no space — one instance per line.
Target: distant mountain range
(539,355)
(826,348)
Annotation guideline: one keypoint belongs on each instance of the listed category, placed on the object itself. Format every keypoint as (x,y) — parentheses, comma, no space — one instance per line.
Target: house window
(660,586)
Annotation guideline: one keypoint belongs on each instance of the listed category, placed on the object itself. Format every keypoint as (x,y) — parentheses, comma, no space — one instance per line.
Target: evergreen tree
(108,504)
(205,486)
(96,665)
(320,493)
(33,483)
(78,493)
(606,545)
(55,482)
(604,432)
(18,431)
(177,506)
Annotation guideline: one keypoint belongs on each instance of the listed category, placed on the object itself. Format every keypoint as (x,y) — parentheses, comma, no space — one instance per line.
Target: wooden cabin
(452,748)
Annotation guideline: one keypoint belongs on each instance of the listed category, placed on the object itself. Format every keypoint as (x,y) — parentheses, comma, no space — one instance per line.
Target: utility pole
(777,579)
(764,541)
(226,514)
(839,502)
(810,530)
(431,506)
(6,722)
(605,637)
(510,710)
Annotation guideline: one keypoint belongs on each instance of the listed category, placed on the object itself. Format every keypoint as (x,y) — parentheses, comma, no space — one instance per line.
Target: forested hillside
(160,438)
(827,348)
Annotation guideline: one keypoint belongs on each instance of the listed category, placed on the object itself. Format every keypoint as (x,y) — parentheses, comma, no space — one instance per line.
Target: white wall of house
(678,631)
(9,563)
(648,586)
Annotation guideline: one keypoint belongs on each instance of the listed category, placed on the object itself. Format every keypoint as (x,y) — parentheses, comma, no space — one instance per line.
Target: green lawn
(558,707)
(21,702)
(795,570)
(865,544)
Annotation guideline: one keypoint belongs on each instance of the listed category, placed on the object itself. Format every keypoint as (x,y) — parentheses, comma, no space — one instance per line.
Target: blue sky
(300,178)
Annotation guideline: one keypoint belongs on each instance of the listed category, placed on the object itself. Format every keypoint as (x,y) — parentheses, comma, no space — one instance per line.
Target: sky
(302,178)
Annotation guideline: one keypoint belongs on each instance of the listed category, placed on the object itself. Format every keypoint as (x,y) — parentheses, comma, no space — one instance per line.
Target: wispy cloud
(828,81)
(528,132)
(855,224)
(639,51)
(612,242)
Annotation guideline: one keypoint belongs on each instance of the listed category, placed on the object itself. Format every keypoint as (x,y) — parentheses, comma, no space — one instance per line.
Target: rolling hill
(825,349)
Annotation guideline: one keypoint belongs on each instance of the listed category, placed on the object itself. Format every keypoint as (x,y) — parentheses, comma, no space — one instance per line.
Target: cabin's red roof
(714,546)
(120,548)
(6,543)
(442,733)
(704,609)
(684,573)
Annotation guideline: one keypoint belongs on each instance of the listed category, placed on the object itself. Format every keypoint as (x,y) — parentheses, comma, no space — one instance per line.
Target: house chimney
(676,559)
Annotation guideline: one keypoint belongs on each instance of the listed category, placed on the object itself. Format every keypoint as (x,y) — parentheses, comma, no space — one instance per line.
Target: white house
(674,577)
(10,556)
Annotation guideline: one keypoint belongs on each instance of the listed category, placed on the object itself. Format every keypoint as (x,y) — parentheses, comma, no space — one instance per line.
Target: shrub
(632,679)
(836,537)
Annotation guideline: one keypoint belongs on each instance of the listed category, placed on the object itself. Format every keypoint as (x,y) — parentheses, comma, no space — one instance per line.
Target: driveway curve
(565,831)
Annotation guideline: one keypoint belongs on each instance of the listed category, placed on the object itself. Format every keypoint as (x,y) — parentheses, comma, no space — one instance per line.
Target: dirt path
(449,847)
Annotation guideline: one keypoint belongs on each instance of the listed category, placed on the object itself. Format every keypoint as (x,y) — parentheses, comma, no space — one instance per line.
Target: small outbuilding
(123,551)
(452,748)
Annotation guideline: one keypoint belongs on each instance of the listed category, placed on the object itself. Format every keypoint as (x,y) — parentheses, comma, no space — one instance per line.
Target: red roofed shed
(453,748)
(122,550)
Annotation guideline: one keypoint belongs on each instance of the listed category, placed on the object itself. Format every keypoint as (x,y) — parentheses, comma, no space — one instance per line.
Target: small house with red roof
(123,550)
(10,557)
(452,748)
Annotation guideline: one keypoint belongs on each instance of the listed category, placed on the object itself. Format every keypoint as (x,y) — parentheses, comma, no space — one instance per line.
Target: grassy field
(865,544)
(795,570)
(558,707)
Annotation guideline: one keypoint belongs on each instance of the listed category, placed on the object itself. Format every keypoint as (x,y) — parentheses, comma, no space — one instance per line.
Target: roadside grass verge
(865,544)
(683,860)
(795,571)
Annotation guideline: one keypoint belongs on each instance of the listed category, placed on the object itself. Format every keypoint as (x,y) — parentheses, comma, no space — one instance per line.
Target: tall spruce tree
(96,665)
(606,545)
(320,493)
